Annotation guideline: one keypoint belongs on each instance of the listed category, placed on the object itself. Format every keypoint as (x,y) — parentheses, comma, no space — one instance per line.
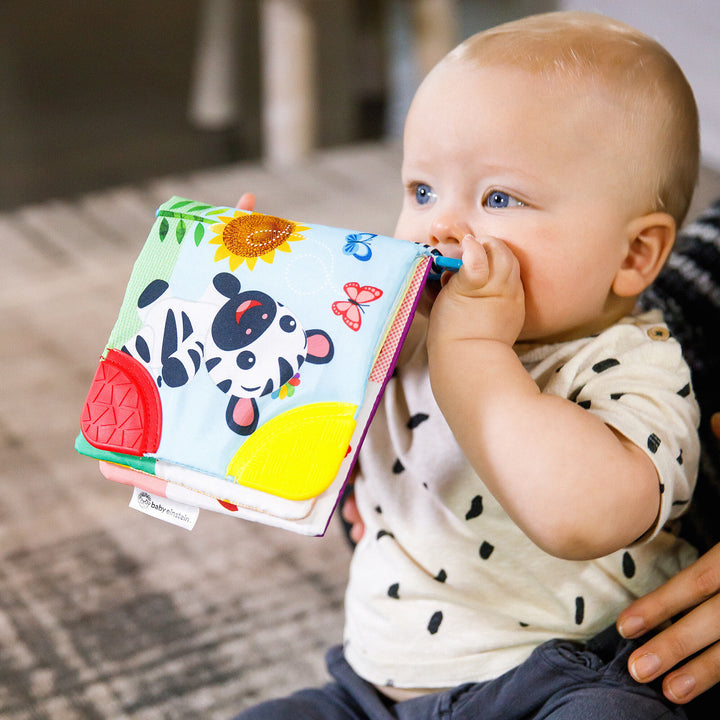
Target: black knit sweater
(688,293)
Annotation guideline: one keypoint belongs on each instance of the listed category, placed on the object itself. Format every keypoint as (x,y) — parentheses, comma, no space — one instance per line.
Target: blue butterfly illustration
(358,245)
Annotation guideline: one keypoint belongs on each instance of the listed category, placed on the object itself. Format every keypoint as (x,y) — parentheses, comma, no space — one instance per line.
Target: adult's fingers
(351,515)
(695,634)
(715,423)
(694,678)
(690,587)
(246,202)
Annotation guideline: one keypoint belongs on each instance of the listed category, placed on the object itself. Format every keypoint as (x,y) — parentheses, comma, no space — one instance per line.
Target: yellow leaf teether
(296,455)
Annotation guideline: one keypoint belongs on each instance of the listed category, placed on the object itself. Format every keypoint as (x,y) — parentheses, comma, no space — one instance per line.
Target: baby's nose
(447,232)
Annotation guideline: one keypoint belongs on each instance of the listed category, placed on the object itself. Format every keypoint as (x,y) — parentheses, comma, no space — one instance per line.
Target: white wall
(690,30)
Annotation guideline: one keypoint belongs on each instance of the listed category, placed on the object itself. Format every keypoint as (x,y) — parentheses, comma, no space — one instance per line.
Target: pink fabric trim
(127,476)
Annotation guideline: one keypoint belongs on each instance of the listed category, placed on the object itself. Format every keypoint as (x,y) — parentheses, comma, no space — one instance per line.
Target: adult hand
(697,589)
(350,513)
(246,202)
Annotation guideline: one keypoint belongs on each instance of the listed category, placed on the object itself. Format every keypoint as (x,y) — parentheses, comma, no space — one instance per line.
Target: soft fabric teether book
(247,359)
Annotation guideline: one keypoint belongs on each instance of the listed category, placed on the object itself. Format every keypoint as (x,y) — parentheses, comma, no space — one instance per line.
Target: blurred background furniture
(97,94)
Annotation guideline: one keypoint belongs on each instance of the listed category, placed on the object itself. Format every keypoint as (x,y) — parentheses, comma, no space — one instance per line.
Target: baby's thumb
(475,270)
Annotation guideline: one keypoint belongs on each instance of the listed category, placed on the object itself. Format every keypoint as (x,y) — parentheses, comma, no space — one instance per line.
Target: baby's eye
(424,194)
(500,199)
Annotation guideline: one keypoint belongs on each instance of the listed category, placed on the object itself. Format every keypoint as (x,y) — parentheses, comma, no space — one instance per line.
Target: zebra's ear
(242,415)
(226,284)
(320,348)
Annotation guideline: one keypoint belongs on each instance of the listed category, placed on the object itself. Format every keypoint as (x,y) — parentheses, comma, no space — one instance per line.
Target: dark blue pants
(561,680)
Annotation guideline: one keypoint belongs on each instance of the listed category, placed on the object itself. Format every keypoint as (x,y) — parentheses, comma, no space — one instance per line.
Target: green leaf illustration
(180,232)
(180,204)
(163,230)
(199,232)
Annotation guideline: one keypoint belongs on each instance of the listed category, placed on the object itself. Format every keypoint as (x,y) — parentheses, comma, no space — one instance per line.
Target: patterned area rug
(169,626)
(104,612)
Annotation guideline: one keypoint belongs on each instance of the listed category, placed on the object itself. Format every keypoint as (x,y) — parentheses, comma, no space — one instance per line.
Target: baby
(518,481)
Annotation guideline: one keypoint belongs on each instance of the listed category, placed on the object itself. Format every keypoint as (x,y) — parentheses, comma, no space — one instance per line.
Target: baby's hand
(485,299)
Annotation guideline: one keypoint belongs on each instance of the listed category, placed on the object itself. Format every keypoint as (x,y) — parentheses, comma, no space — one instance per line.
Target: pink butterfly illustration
(358,297)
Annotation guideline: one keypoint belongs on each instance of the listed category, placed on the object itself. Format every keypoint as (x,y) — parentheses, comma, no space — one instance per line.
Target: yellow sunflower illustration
(245,237)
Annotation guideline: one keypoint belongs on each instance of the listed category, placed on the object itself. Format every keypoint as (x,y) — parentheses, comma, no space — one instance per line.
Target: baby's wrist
(446,328)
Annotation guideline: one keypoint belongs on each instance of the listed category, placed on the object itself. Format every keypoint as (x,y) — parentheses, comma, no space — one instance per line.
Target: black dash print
(684,391)
(378,510)
(416,420)
(486,550)
(441,576)
(394,591)
(679,458)
(434,624)
(573,396)
(579,610)
(680,502)
(476,508)
(605,365)
(585,404)
(616,396)
(653,443)
(397,467)
(628,565)
(523,624)
(662,488)
(383,533)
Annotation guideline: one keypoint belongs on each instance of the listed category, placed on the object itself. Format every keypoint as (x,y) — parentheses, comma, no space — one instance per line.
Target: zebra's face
(249,343)
(256,345)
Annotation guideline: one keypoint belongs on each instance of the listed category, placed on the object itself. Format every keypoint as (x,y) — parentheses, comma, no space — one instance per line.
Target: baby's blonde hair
(659,111)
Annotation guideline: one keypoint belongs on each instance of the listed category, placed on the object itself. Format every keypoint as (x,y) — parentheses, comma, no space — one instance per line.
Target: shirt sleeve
(637,381)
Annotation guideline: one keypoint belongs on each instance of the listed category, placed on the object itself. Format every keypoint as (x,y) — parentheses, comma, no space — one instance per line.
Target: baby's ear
(650,240)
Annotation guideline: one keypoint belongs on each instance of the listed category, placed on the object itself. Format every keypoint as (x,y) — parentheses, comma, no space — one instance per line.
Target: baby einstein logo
(165,509)
(144,500)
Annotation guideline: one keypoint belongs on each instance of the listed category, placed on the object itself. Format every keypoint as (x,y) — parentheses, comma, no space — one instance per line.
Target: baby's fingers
(504,267)
(474,272)
(488,265)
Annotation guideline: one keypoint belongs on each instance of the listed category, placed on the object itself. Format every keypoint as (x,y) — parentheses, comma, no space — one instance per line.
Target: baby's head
(572,137)
(657,129)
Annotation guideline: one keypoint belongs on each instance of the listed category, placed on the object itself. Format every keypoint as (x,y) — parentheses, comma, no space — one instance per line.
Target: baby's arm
(577,488)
